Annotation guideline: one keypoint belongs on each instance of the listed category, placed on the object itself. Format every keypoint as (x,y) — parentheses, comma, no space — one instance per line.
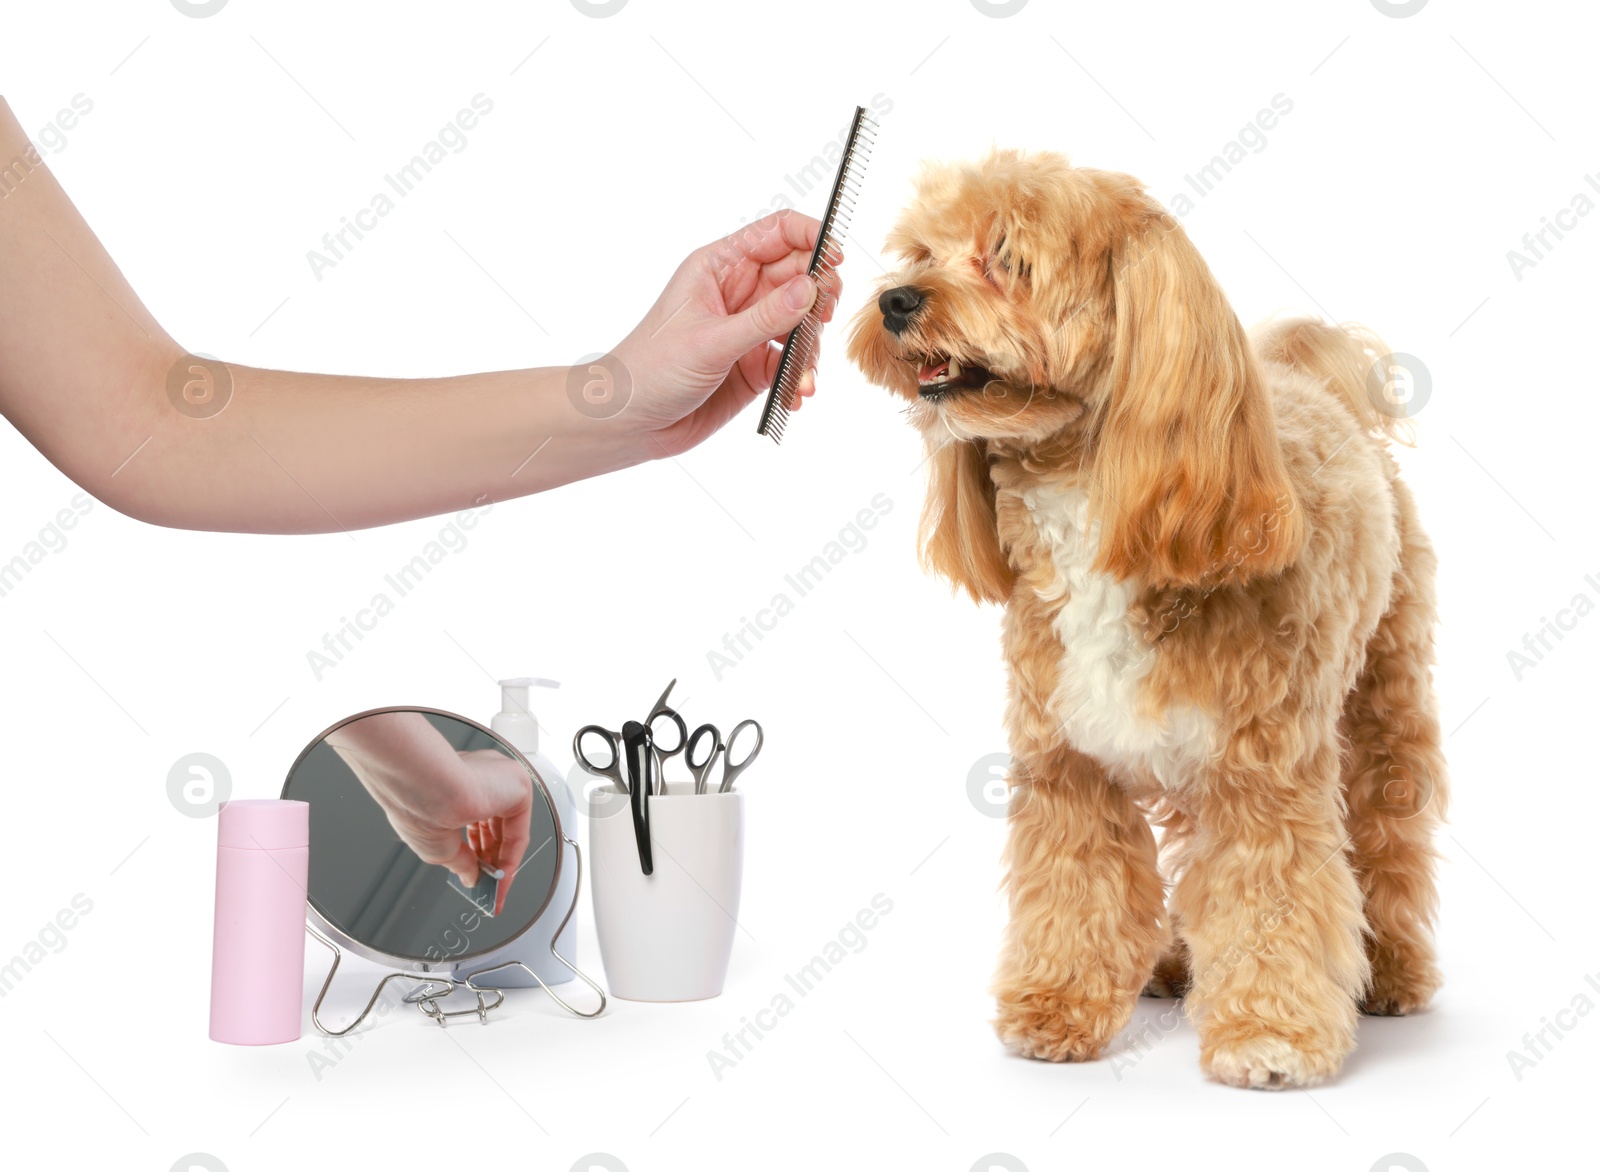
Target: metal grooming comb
(802,341)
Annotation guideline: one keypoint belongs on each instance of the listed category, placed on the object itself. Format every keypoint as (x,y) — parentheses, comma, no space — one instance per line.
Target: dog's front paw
(1268,1061)
(1403,981)
(1059,1027)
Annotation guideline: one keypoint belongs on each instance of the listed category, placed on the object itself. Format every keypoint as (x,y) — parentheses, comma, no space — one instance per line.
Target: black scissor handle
(613,767)
(716,740)
(677,722)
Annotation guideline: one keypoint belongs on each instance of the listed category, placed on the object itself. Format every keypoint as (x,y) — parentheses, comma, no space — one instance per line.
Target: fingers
(770,237)
(463,865)
(760,367)
(487,839)
(516,834)
(775,273)
(779,271)
(760,256)
(770,318)
(751,376)
(830,300)
(807,386)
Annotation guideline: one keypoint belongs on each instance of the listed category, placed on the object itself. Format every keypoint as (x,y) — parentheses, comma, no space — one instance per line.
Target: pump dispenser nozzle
(515,720)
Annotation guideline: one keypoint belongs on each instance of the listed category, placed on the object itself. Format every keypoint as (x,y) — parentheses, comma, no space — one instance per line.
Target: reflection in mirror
(411,813)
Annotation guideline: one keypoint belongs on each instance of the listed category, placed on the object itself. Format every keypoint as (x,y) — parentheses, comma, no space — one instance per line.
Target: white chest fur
(1100,698)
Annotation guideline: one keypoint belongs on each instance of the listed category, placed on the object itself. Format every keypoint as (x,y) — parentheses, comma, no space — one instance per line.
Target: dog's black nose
(898,306)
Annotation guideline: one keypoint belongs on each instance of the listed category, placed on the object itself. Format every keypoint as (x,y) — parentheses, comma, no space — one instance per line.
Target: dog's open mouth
(941,375)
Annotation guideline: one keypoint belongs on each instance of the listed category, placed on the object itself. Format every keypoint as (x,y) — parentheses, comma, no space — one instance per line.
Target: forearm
(401,758)
(299,453)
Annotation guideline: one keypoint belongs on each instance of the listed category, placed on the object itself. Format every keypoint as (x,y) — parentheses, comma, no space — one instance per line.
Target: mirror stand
(434,988)
(577,889)
(428,994)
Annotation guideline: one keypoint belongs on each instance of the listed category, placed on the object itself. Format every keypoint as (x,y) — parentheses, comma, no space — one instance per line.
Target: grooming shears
(730,769)
(635,778)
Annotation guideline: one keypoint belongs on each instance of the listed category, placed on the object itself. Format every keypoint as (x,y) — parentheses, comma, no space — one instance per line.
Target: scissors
(662,710)
(700,771)
(612,769)
(634,743)
(730,770)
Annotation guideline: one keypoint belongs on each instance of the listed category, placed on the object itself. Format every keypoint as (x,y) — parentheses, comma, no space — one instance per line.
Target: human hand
(711,342)
(502,838)
(488,794)
(430,792)
(485,791)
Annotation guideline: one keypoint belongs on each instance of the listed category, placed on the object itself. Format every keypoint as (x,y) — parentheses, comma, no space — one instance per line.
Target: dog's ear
(960,535)
(1190,482)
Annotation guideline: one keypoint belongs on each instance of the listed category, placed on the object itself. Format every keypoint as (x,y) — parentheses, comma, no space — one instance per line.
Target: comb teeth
(801,344)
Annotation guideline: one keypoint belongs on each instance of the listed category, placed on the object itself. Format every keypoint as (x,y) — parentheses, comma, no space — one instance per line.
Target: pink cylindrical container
(258,944)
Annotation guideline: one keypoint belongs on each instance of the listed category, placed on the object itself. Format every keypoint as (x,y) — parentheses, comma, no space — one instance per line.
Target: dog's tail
(1348,360)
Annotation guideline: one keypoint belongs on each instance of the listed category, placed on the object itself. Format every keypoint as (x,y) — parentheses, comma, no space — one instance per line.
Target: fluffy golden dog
(1219,616)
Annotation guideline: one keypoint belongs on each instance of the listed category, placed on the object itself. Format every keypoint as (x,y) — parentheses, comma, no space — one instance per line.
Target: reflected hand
(502,838)
(485,792)
(430,793)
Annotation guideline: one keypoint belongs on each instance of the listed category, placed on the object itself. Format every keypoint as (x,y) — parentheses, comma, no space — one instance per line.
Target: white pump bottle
(516,724)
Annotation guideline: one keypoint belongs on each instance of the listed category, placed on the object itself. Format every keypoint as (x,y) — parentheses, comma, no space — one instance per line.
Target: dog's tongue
(931,371)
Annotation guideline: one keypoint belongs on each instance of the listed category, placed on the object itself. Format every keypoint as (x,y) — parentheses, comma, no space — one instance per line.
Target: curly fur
(1219,614)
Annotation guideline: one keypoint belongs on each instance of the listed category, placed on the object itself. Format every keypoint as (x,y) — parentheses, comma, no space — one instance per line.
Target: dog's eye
(1012,266)
(1003,261)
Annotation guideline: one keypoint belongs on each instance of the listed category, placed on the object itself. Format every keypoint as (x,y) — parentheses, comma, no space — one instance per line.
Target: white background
(219,150)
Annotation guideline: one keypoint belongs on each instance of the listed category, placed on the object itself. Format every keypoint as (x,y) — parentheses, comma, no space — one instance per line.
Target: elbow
(143,461)
(122,495)
(145,507)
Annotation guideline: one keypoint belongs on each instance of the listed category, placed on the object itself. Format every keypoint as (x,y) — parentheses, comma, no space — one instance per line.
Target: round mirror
(432,841)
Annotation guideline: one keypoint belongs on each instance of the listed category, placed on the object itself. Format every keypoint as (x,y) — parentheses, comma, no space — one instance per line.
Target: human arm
(85,371)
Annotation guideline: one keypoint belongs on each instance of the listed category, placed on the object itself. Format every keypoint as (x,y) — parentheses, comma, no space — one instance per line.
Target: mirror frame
(410,964)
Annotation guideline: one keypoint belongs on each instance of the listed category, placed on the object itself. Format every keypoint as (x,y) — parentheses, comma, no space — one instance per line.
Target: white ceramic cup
(667,936)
